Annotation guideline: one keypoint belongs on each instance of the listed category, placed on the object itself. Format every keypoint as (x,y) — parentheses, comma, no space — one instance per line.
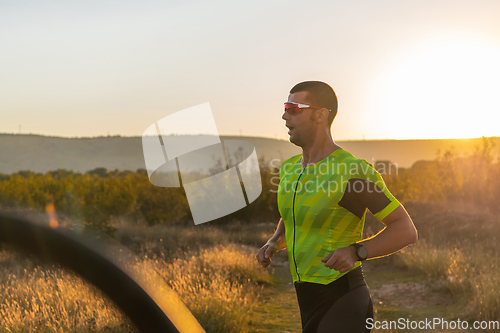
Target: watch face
(362,252)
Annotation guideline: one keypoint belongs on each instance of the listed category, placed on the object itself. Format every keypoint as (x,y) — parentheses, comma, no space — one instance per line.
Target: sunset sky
(401,69)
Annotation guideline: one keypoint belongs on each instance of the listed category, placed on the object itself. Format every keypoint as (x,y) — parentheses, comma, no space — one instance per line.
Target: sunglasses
(294,108)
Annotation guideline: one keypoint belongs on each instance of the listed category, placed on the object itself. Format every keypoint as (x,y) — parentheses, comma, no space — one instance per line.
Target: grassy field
(215,275)
(451,272)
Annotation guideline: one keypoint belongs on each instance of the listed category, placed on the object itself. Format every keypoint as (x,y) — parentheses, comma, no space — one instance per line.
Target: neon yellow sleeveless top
(323,207)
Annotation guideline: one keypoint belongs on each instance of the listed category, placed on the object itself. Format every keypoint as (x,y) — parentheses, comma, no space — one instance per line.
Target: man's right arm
(276,243)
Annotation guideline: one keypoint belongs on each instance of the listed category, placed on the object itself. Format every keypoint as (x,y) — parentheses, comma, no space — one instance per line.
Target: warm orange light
(51,211)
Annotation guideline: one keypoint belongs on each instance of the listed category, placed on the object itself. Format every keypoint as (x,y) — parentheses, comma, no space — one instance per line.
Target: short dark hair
(319,94)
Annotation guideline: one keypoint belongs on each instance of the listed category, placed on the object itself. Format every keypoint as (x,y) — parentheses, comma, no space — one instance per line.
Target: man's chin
(293,139)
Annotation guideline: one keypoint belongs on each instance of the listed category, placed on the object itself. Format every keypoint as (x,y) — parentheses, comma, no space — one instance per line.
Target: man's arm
(398,233)
(279,236)
(276,243)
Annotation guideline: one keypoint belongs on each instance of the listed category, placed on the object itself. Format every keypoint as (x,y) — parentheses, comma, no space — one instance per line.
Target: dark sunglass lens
(292,110)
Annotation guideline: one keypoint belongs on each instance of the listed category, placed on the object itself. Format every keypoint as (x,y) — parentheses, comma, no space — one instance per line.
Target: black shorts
(340,306)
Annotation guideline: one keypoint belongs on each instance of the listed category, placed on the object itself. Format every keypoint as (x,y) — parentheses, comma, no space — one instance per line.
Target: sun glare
(448,90)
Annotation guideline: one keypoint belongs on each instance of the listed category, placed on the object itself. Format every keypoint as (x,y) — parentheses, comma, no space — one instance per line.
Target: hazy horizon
(242,135)
(401,70)
(235,135)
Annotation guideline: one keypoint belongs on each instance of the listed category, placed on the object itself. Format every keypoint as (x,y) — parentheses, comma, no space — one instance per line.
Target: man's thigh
(348,314)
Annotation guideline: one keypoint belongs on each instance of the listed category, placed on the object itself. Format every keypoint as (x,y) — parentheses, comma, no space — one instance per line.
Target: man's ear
(322,115)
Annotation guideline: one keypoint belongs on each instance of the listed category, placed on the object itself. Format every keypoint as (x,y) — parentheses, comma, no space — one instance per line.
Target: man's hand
(265,253)
(342,260)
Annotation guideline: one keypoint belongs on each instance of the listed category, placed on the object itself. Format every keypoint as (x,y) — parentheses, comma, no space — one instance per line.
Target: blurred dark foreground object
(149,303)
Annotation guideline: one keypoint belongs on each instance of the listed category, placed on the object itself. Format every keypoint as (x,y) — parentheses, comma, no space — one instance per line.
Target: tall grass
(460,251)
(40,298)
(219,284)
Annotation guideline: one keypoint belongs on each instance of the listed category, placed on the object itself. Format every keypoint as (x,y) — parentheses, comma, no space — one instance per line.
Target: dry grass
(460,250)
(39,298)
(218,283)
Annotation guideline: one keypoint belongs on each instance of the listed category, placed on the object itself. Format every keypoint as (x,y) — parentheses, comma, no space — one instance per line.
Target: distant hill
(43,153)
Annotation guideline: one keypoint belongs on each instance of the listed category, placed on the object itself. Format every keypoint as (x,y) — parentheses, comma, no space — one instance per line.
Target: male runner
(323,196)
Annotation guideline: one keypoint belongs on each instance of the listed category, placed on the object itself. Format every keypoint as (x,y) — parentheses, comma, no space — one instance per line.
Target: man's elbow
(412,234)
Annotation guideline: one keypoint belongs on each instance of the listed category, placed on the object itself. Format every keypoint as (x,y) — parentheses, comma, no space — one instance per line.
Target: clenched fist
(342,260)
(265,253)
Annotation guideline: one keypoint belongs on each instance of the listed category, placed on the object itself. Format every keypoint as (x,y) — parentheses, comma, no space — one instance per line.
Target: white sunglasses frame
(305,106)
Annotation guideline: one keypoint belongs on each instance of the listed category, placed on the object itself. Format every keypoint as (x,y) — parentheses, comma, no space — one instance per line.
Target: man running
(323,196)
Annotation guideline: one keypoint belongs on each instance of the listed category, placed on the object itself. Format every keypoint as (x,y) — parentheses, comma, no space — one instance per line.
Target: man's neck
(318,150)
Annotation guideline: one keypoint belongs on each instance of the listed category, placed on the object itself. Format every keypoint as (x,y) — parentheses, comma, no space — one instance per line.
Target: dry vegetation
(218,283)
(459,249)
(212,267)
(39,298)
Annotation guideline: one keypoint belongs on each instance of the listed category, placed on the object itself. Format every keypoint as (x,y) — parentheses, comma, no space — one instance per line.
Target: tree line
(98,195)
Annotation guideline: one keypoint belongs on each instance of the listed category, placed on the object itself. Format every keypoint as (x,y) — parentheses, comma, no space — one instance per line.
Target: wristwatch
(361,251)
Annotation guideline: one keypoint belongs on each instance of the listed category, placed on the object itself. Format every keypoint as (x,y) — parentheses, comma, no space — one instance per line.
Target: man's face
(302,125)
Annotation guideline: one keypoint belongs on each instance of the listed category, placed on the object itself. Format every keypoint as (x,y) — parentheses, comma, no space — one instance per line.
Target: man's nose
(285,116)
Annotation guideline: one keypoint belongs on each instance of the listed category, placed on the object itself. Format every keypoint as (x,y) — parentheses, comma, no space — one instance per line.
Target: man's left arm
(399,232)
(368,190)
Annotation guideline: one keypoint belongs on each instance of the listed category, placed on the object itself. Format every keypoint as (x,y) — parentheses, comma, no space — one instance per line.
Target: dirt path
(394,287)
